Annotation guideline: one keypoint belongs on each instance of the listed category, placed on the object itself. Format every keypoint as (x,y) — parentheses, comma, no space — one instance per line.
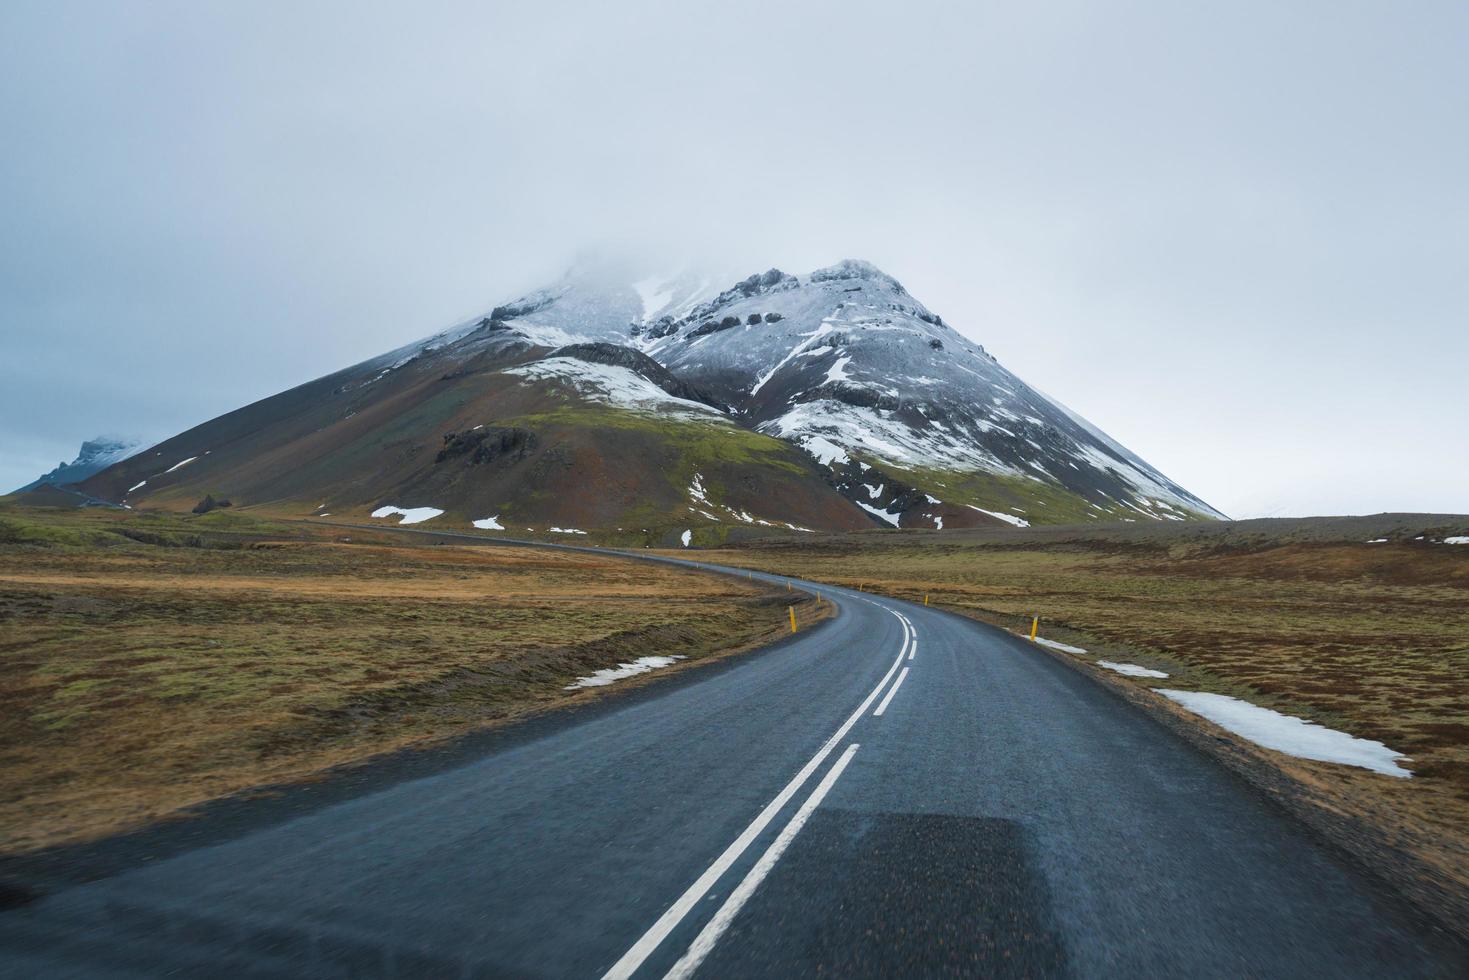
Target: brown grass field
(1304,617)
(152,662)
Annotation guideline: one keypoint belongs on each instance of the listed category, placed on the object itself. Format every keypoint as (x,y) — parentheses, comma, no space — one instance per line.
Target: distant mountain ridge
(831,400)
(95,455)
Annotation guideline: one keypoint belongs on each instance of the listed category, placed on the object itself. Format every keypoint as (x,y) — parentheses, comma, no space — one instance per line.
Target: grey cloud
(1235,238)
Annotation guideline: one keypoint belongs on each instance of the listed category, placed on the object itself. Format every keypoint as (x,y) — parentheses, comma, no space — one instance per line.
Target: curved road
(899,792)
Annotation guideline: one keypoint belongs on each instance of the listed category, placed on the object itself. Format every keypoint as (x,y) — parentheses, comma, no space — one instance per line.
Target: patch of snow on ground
(1064,648)
(1131,670)
(938,522)
(565,530)
(838,371)
(882,514)
(1378,541)
(610,384)
(825,451)
(1007,518)
(410,515)
(489,524)
(686,537)
(874,492)
(180,464)
(881,434)
(135,486)
(1293,736)
(696,489)
(1457,539)
(611,675)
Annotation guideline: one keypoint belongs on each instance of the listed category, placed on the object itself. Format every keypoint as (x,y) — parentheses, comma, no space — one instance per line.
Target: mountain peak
(96,454)
(829,400)
(856,269)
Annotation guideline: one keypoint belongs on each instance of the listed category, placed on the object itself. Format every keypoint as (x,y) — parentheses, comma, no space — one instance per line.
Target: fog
(1237,239)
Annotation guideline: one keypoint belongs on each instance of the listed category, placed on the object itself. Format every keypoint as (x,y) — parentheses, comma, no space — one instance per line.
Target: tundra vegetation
(149,662)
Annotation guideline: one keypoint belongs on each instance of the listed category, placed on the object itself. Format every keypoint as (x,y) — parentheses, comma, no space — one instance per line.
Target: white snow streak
(1058,646)
(611,675)
(884,515)
(1007,518)
(489,524)
(1131,670)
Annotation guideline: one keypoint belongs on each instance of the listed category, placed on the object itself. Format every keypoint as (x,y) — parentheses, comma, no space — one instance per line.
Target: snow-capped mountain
(95,455)
(846,364)
(831,400)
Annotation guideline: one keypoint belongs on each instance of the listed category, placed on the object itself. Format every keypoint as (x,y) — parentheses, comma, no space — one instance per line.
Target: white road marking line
(650,940)
(914,649)
(891,691)
(704,942)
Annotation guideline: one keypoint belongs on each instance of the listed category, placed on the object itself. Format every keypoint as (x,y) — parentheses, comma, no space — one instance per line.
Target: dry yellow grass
(138,678)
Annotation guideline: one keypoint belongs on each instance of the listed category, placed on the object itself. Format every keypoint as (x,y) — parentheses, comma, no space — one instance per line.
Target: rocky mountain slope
(653,407)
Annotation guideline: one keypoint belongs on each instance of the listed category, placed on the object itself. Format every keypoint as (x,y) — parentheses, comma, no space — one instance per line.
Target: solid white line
(650,940)
(891,691)
(704,942)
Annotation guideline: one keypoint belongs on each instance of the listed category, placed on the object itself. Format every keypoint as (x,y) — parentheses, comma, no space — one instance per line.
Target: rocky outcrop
(487,444)
(211,502)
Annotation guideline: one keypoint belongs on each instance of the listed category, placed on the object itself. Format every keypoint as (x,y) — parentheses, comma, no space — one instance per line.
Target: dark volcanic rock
(210,502)
(661,327)
(522,306)
(487,445)
(752,319)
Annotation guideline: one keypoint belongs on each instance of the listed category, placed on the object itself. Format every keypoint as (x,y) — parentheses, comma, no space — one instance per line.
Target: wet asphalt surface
(1003,816)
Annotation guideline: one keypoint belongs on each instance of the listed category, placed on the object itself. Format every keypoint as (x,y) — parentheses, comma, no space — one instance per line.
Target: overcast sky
(1236,238)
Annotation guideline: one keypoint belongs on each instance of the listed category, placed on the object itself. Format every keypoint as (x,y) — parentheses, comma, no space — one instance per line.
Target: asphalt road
(899,792)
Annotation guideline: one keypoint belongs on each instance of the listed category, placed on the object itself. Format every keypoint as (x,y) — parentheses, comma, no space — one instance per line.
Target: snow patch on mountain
(612,385)
(1007,518)
(881,515)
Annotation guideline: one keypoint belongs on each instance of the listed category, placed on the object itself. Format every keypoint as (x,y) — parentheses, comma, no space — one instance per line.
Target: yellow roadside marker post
(792,611)
(925,598)
(1035,624)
